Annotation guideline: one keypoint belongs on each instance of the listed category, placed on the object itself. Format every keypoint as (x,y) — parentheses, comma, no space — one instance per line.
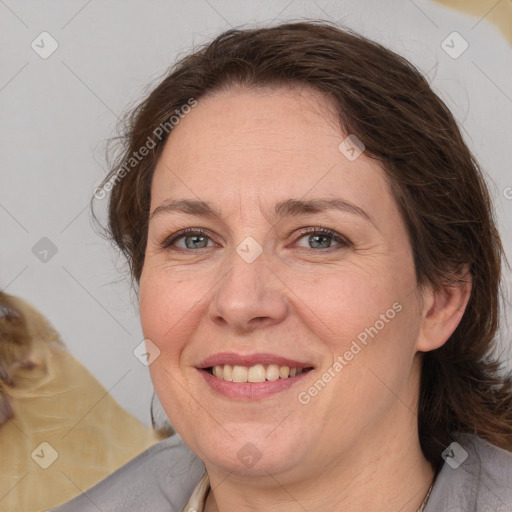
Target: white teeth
(228,372)
(255,373)
(272,372)
(239,373)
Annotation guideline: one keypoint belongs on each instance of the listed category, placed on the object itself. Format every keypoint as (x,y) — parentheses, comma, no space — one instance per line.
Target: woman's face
(296,260)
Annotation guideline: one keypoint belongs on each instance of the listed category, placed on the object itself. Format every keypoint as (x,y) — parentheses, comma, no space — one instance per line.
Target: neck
(382,469)
(379,476)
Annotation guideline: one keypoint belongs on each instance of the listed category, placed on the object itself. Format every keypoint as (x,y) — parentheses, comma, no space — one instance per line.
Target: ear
(442,311)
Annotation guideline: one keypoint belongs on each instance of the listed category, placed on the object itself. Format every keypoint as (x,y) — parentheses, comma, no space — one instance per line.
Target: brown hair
(438,186)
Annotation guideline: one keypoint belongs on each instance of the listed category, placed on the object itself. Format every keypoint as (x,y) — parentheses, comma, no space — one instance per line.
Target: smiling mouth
(255,373)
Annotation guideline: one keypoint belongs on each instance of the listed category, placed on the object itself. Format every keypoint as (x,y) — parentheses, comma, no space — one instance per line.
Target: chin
(250,451)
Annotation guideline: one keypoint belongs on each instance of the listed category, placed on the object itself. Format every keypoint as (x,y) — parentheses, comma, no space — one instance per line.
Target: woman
(318,270)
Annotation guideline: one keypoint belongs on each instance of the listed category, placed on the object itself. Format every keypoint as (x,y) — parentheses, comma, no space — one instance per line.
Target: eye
(322,238)
(191,238)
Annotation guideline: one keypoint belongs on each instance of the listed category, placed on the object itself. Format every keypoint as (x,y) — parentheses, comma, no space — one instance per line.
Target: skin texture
(355,445)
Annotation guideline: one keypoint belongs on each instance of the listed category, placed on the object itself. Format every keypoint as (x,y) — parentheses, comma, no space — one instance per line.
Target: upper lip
(232,358)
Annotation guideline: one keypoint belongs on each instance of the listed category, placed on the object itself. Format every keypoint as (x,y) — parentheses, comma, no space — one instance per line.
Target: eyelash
(341,240)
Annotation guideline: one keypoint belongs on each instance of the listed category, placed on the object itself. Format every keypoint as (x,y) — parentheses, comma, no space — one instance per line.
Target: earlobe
(443,311)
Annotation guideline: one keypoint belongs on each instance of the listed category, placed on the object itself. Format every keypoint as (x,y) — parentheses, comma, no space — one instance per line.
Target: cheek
(345,303)
(169,305)
(367,323)
(170,309)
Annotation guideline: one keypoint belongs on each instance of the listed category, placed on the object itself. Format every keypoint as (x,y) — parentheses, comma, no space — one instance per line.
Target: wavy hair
(437,184)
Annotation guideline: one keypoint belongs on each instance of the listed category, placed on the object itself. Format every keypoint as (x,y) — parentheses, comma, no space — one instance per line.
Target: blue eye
(195,238)
(195,241)
(322,238)
(191,238)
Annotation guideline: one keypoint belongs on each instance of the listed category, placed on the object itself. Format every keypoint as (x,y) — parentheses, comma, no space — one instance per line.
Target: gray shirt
(476,477)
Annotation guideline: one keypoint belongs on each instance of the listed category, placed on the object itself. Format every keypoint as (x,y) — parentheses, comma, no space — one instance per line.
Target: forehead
(245,143)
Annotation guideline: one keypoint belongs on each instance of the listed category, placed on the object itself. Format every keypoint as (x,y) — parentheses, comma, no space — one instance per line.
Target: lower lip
(250,390)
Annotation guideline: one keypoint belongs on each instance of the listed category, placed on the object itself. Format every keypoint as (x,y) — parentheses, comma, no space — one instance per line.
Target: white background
(57,112)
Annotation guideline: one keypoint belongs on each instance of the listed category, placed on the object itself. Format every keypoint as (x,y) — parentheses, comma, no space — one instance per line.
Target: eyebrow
(289,207)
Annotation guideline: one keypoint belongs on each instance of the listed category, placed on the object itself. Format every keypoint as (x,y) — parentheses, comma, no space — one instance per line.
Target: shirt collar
(198,498)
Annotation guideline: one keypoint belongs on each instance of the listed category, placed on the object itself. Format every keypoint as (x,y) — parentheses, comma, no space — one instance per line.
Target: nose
(248,297)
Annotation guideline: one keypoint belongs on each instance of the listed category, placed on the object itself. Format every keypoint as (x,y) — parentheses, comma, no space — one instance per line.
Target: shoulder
(476,475)
(162,477)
